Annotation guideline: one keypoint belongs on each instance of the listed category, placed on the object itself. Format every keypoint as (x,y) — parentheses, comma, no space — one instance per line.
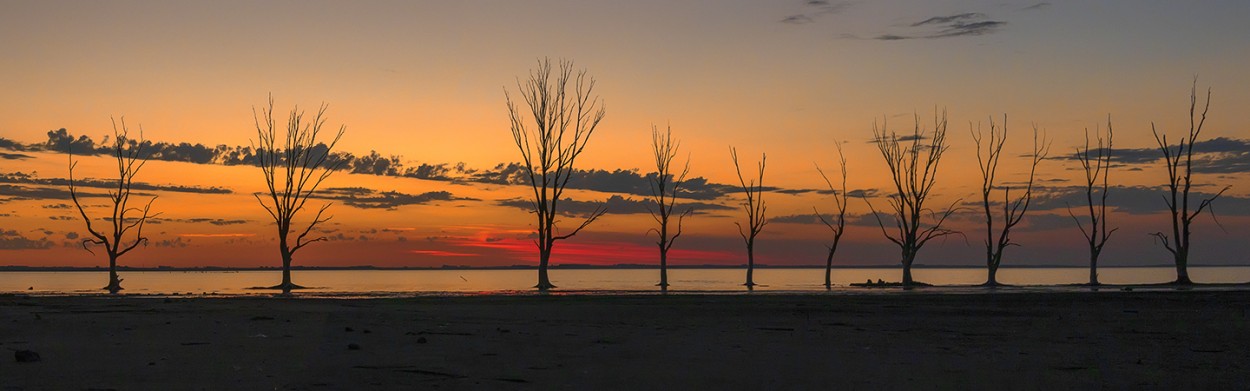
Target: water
(499,281)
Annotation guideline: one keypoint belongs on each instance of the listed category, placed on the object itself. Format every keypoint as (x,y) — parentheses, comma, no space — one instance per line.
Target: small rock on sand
(352,346)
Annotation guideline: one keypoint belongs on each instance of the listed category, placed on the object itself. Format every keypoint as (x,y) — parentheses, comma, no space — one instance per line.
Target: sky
(420,88)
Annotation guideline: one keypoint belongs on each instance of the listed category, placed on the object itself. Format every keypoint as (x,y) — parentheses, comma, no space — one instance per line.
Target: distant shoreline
(556,267)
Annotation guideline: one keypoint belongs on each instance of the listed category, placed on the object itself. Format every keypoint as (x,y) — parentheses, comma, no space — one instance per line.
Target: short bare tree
(293,168)
(913,162)
(564,117)
(989,151)
(1179,164)
(838,224)
(1097,167)
(755,208)
(125,230)
(665,189)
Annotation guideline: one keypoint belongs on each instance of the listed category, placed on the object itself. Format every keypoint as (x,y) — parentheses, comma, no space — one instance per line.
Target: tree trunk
(829,270)
(750,265)
(1182,269)
(1093,268)
(663,268)
(992,279)
(544,283)
(115,284)
(908,257)
(286,272)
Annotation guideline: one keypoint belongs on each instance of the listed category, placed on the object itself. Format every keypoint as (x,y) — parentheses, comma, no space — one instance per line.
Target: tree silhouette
(665,187)
(913,162)
(293,170)
(563,122)
(124,219)
(1097,167)
(838,226)
(755,208)
(988,154)
(1179,164)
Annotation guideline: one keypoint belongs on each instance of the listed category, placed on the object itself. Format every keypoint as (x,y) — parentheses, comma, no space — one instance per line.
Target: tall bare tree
(1179,164)
(125,222)
(755,208)
(913,162)
(1097,166)
(665,189)
(293,167)
(564,117)
(838,225)
(989,151)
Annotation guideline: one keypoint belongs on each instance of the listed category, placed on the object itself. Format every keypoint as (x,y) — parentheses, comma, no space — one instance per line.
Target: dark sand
(905,340)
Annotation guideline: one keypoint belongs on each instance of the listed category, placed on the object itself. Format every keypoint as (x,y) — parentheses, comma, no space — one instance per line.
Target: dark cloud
(943,20)
(1219,155)
(1138,200)
(364,198)
(30,179)
(615,205)
(1036,7)
(199,220)
(815,9)
(949,26)
(865,219)
(177,242)
(13,240)
(13,156)
(630,182)
(41,193)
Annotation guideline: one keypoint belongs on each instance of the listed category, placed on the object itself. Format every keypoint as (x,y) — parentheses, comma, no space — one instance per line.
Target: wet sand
(906,340)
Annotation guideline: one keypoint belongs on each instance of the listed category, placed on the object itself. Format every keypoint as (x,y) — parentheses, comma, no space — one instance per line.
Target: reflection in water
(497,281)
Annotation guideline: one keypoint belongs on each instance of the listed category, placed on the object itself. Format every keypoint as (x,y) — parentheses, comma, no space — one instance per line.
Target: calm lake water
(502,281)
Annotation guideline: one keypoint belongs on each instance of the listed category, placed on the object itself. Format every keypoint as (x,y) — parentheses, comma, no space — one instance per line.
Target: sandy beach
(907,340)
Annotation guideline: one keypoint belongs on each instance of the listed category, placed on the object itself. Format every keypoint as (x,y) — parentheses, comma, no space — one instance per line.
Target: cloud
(947,26)
(615,205)
(363,198)
(13,156)
(621,181)
(13,240)
(1036,7)
(1137,200)
(815,9)
(30,179)
(1221,155)
(41,193)
(865,220)
(942,20)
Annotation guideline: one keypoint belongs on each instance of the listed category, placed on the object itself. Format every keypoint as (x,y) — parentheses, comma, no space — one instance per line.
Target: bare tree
(1179,163)
(665,188)
(293,170)
(913,162)
(838,226)
(1097,166)
(755,208)
(124,219)
(564,117)
(988,155)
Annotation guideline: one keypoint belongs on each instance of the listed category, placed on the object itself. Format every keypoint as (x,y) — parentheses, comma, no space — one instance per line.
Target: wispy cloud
(365,198)
(947,26)
(815,9)
(615,205)
(1035,7)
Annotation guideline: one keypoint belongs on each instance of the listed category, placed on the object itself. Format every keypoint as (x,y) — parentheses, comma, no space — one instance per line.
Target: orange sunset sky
(424,82)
